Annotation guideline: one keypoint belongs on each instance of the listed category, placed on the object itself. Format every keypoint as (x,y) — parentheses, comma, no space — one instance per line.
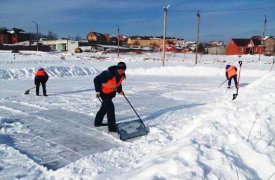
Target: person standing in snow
(231,73)
(41,77)
(107,84)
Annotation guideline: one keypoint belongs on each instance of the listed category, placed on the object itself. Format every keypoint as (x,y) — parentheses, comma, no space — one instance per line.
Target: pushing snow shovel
(28,91)
(131,129)
(222,83)
(131,106)
(235,95)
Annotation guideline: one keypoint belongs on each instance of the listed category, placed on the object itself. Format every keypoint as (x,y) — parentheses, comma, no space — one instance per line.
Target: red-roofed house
(237,46)
(13,36)
(245,46)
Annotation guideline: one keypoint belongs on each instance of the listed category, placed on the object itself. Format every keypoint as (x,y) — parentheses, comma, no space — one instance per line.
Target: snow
(196,130)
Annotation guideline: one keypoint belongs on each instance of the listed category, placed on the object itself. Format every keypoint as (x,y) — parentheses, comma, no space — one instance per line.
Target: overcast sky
(220,19)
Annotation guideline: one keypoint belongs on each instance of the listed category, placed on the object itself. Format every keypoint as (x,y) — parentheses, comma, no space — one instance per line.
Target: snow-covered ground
(196,130)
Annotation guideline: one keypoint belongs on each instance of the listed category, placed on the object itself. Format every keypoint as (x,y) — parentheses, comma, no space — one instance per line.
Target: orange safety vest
(231,71)
(40,73)
(111,85)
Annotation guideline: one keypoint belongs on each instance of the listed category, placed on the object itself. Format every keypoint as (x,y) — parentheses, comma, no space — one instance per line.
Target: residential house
(61,44)
(121,38)
(255,45)
(94,37)
(269,45)
(245,46)
(171,43)
(215,49)
(4,36)
(108,37)
(216,43)
(143,41)
(18,35)
(237,46)
(102,39)
(13,36)
(169,47)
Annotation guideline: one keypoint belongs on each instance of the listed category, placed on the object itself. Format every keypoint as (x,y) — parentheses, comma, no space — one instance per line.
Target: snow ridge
(53,71)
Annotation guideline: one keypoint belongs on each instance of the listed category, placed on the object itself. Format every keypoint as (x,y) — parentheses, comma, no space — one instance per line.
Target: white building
(61,45)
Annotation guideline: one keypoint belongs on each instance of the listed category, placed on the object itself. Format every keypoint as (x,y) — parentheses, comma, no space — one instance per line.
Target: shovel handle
(222,83)
(240,63)
(100,99)
(131,105)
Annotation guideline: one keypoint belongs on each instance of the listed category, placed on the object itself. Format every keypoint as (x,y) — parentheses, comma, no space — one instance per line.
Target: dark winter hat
(227,66)
(121,65)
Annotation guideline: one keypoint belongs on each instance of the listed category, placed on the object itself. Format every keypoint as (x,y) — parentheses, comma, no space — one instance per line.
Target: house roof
(256,42)
(12,31)
(241,42)
(4,31)
(16,30)
(154,37)
(97,34)
(268,37)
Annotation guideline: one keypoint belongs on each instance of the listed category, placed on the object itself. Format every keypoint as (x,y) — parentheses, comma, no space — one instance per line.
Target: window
(241,49)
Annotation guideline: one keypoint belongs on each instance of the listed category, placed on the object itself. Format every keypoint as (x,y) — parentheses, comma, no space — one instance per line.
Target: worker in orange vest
(107,84)
(231,73)
(41,77)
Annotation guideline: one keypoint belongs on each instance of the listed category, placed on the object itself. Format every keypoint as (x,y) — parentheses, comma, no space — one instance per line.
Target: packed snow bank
(198,70)
(53,72)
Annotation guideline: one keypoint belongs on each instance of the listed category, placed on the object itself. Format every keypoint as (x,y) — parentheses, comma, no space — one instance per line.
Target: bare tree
(51,36)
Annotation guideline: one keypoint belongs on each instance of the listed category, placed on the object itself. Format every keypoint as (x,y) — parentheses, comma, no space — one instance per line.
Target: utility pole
(264,26)
(67,44)
(264,32)
(36,34)
(198,34)
(262,41)
(164,32)
(117,40)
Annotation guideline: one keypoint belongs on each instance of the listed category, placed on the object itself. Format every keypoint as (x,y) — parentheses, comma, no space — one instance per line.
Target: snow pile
(189,71)
(53,71)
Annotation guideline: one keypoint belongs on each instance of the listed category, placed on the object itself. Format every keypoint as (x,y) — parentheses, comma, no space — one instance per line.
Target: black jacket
(106,76)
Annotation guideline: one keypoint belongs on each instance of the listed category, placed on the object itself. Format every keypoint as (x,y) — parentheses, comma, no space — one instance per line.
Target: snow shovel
(131,129)
(28,91)
(235,95)
(222,83)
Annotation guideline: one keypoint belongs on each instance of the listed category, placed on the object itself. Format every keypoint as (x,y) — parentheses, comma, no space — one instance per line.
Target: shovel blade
(27,92)
(131,129)
(234,96)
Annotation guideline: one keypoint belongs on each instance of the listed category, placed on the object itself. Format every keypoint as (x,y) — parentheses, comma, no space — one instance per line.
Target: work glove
(98,94)
(121,93)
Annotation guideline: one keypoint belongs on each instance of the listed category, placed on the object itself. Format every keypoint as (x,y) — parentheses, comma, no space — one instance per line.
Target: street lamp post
(117,40)
(36,34)
(165,8)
